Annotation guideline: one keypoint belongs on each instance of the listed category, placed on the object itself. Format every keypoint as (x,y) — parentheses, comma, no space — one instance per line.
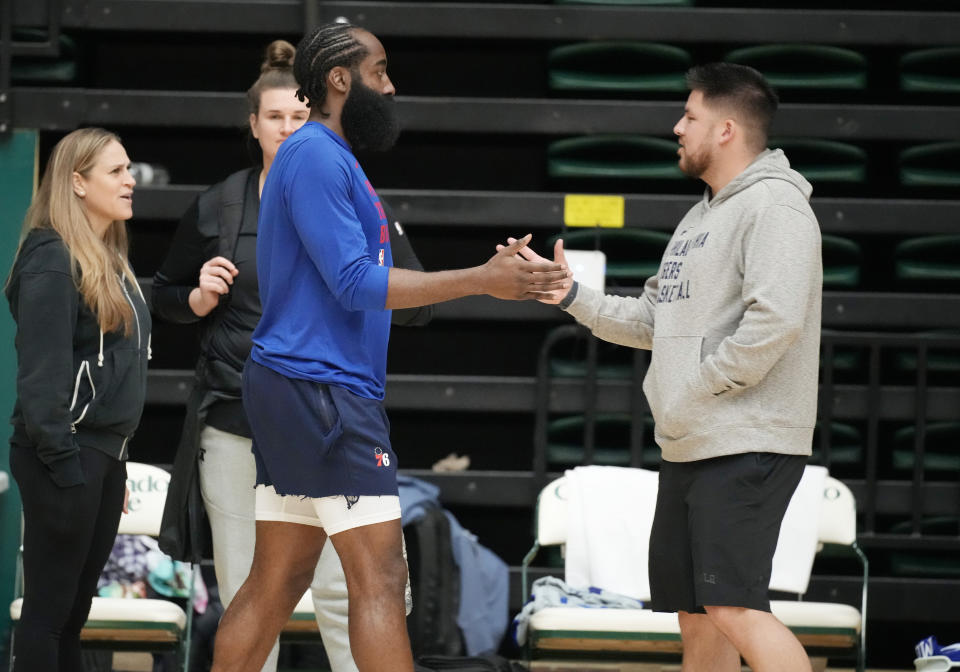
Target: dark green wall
(18,157)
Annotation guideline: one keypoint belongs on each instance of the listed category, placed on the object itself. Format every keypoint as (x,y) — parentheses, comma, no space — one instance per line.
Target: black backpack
(435,583)
(488,663)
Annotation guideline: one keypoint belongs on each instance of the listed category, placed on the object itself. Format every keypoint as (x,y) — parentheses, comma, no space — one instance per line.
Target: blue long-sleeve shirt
(323,258)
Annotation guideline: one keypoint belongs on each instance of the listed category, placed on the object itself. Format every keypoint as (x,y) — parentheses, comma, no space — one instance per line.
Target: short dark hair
(740,87)
(327,47)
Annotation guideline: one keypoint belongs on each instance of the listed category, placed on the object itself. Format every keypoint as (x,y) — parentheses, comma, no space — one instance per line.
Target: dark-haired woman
(210,275)
(83,335)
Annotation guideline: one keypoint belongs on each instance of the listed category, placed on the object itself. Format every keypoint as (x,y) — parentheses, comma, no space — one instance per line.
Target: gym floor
(142,662)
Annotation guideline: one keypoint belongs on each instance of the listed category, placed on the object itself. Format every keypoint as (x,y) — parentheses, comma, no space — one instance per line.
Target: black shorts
(316,440)
(716,528)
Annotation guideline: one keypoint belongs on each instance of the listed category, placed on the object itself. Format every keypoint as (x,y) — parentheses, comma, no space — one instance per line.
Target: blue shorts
(316,440)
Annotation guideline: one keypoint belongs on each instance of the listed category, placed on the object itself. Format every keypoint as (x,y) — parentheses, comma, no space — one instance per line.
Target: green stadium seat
(571,367)
(825,160)
(612,441)
(841,262)
(569,359)
(632,254)
(847,360)
(929,563)
(805,66)
(846,445)
(614,156)
(932,165)
(60,69)
(931,70)
(942,453)
(943,365)
(928,260)
(618,66)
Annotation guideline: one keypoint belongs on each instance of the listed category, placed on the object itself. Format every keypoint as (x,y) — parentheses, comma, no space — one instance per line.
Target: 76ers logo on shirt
(383,459)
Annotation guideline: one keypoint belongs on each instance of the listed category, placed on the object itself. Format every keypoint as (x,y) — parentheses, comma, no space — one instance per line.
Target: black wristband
(571,295)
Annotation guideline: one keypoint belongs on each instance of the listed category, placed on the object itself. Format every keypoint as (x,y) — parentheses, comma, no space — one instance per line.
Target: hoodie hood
(41,249)
(770,164)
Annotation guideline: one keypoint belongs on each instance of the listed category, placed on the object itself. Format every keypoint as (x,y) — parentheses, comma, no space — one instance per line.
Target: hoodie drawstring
(150,335)
(100,355)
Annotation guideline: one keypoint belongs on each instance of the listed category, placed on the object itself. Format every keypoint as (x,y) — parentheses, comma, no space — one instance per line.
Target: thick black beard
(369,119)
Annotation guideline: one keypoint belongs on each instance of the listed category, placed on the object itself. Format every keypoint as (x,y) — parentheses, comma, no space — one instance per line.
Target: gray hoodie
(732,318)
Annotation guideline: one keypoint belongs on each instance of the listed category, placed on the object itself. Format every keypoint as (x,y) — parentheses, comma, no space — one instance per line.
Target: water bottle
(149,174)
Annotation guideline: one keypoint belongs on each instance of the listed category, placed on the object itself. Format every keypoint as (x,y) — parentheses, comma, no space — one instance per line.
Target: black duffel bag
(488,663)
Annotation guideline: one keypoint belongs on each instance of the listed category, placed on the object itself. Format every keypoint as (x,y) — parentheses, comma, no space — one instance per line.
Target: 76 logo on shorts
(383,459)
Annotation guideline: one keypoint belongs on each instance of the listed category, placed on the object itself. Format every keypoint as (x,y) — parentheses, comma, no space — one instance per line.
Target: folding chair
(823,628)
(134,624)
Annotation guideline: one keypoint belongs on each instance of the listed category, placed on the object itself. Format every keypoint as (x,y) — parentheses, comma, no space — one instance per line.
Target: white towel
(793,560)
(610,551)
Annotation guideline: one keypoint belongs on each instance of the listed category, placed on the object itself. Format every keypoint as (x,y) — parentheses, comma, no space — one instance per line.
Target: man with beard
(733,322)
(314,383)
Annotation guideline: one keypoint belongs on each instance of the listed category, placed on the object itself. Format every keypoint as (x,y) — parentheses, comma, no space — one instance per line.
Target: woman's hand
(216,277)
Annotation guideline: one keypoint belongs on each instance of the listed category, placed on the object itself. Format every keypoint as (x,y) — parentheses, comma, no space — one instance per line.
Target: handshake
(517,272)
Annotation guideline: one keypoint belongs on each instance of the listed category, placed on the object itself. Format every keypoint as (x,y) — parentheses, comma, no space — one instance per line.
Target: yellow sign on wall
(590,210)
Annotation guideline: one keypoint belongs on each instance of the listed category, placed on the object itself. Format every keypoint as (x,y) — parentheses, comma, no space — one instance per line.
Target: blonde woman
(83,334)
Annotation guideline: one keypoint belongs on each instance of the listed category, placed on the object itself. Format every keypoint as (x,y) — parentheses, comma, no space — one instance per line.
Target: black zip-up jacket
(77,388)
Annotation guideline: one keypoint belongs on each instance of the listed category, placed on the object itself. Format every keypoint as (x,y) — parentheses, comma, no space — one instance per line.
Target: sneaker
(931,657)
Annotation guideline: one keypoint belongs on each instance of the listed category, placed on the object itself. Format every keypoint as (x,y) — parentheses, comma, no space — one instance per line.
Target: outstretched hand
(548,296)
(517,272)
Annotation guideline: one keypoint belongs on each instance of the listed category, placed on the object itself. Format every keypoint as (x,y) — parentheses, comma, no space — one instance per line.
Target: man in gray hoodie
(733,322)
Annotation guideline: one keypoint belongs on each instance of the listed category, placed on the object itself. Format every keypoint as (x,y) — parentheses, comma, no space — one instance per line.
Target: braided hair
(329,46)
